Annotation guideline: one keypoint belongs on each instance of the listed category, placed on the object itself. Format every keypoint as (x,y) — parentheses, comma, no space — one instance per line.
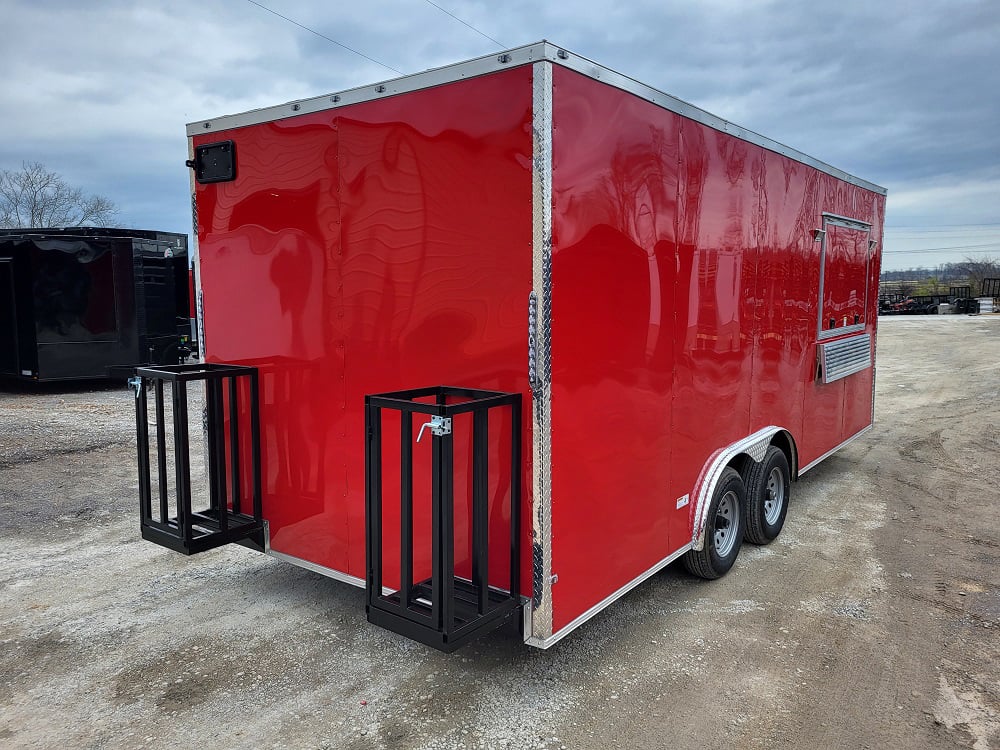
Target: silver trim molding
(830,219)
(195,259)
(846,221)
(829,333)
(830,452)
(541,413)
(527,54)
(567,629)
(406,84)
(321,569)
(755,446)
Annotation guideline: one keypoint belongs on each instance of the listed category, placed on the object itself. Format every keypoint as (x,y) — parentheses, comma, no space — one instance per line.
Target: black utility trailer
(958,297)
(91,303)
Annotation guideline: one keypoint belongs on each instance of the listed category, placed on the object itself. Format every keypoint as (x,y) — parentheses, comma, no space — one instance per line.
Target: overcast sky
(904,94)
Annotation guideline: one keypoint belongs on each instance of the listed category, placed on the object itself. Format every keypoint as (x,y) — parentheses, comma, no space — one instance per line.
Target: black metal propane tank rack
(443,611)
(234,510)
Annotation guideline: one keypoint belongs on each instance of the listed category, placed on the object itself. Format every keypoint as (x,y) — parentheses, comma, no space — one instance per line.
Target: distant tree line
(33,197)
(938,280)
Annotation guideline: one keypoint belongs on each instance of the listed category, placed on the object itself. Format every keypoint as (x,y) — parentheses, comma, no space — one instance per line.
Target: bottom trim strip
(567,629)
(830,452)
(322,570)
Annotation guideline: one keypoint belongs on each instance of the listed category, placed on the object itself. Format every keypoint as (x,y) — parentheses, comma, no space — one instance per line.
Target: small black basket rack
(443,611)
(234,511)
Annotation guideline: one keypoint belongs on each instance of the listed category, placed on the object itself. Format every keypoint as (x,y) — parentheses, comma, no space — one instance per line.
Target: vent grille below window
(844,357)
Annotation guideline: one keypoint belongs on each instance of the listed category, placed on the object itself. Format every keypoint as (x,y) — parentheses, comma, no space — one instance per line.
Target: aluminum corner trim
(524,55)
(479,66)
(551,640)
(541,412)
(194,251)
(666,101)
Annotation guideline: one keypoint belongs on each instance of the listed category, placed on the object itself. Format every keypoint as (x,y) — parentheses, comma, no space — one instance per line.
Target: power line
(324,36)
(941,237)
(972,234)
(498,44)
(935,230)
(954,248)
(939,227)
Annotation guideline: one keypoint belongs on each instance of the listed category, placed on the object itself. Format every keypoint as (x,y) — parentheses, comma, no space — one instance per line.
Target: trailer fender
(754,446)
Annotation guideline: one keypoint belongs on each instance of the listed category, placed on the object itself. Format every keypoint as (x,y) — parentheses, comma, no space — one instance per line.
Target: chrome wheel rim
(774,496)
(726,524)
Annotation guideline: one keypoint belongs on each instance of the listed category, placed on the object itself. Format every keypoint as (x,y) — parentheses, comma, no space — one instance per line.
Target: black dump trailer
(81,303)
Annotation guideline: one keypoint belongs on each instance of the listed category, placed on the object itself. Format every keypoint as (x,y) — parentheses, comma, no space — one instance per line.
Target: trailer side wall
(685,313)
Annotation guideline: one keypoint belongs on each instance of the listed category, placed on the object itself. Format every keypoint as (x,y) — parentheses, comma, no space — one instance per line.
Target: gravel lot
(872,622)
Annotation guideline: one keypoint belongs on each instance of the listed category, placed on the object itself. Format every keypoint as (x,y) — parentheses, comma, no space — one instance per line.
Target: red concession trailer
(508,337)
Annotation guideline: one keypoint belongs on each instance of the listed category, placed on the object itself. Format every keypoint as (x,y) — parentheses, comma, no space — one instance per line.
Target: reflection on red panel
(786,285)
(377,247)
(73,294)
(845,277)
(722,217)
(858,401)
(685,316)
(613,327)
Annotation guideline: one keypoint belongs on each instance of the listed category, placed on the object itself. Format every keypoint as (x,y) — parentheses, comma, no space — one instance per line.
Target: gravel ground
(872,622)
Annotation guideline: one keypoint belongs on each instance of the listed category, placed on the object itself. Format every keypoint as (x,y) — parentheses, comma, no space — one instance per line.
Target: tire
(723,529)
(768,491)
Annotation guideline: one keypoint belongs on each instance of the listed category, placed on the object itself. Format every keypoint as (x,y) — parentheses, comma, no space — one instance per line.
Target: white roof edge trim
(517,56)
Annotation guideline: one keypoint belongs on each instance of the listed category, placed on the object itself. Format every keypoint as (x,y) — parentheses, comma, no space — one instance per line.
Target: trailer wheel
(723,529)
(768,489)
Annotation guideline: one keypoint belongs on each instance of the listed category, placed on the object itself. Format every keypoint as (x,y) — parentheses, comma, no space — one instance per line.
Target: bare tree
(978,269)
(35,197)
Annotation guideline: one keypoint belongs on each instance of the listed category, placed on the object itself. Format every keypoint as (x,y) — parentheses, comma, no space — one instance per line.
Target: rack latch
(439,426)
(136,383)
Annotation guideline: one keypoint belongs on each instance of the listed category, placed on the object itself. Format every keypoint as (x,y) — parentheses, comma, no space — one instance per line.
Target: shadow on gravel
(28,388)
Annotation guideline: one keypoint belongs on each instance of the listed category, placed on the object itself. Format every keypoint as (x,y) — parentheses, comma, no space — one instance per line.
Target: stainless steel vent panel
(844,357)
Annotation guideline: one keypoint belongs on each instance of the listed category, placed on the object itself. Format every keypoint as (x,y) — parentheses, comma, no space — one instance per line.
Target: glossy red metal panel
(685,310)
(785,293)
(265,251)
(376,247)
(614,188)
(860,388)
(858,401)
(722,220)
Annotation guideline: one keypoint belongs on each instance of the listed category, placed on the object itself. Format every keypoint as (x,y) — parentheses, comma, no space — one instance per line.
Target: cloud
(901,94)
(969,200)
